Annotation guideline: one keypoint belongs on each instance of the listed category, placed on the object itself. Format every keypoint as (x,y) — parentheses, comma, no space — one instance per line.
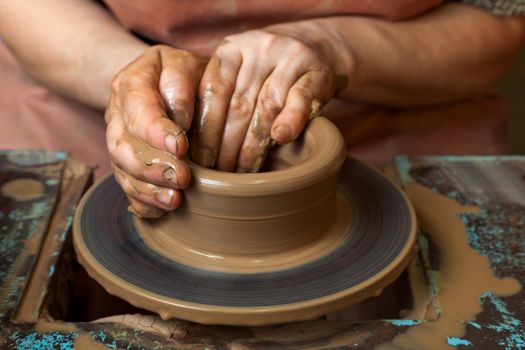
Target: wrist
(324,37)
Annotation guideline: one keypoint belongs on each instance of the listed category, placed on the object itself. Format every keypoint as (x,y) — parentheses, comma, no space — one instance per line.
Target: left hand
(258,86)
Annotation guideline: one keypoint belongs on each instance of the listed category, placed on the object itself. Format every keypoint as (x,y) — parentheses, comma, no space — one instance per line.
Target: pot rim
(327,157)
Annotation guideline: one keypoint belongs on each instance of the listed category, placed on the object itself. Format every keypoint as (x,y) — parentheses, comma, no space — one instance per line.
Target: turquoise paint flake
(403,323)
(51,181)
(485,231)
(37,210)
(37,341)
(63,234)
(61,155)
(51,270)
(101,337)
(511,329)
(475,324)
(403,165)
(453,341)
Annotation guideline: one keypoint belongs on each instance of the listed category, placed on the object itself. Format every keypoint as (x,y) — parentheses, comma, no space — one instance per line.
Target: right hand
(148,115)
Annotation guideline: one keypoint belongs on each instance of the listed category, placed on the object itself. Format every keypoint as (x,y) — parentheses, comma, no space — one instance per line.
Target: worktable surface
(496,185)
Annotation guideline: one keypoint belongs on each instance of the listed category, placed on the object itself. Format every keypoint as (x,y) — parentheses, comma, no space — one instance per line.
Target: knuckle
(211,86)
(223,51)
(269,106)
(115,83)
(108,114)
(269,40)
(134,80)
(300,47)
(124,181)
(115,149)
(240,105)
(127,187)
(112,150)
(112,147)
(132,118)
(304,92)
(325,72)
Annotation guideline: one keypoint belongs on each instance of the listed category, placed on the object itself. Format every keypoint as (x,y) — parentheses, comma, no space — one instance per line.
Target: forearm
(72,46)
(447,54)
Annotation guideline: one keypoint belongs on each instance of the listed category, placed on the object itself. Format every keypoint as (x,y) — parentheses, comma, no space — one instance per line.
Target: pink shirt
(199,25)
(34,117)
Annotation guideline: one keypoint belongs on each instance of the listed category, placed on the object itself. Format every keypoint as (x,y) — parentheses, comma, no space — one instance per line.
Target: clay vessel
(274,219)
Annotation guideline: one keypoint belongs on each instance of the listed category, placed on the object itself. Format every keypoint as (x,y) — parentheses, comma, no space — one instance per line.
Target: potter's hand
(150,109)
(258,86)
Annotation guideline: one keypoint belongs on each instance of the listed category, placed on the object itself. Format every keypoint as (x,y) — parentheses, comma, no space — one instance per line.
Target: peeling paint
(403,323)
(475,324)
(46,341)
(453,341)
(511,329)
(403,166)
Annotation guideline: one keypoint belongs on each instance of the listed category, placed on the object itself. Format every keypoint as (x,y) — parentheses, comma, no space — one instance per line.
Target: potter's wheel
(376,247)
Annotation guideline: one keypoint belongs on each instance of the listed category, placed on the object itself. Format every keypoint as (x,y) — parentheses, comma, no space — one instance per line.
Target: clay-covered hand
(259,86)
(149,112)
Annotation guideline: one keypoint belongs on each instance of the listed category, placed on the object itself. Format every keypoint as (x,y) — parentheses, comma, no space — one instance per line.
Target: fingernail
(283,133)
(153,213)
(181,117)
(182,140)
(133,211)
(170,175)
(165,196)
(170,141)
(203,156)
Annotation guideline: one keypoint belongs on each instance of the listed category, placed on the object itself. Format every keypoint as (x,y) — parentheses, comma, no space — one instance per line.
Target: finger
(160,197)
(144,162)
(257,140)
(270,102)
(175,140)
(137,100)
(304,101)
(250,79)
(179,79)
(143,210)
(215,91)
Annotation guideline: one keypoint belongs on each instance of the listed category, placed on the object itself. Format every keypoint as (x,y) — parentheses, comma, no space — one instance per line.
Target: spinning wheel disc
(376,249)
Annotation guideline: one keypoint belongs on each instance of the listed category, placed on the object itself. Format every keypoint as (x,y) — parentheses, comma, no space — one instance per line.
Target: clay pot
(259,222)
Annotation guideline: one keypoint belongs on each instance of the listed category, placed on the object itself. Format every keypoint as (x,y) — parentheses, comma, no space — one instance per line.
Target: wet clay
(170,167)
(278,243)
(171,329)
(463,277)
(291,213)
(23,189)
(86,342)
(260,222)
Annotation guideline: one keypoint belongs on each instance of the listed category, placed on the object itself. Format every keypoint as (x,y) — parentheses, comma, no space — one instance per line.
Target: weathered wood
(498,233)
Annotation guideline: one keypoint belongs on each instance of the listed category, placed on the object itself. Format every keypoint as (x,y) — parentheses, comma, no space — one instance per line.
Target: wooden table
(37,265)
